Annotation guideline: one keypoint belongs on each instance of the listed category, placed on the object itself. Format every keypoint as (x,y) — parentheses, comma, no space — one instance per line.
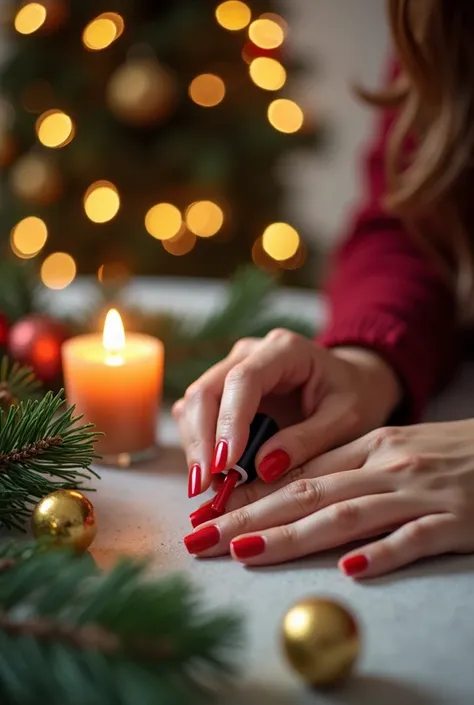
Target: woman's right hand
(320,399)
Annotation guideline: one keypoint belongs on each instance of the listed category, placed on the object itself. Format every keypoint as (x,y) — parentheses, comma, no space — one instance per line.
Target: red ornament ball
(36,341)
(4,329)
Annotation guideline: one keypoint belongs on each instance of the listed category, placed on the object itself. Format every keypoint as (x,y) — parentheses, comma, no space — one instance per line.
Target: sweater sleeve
(386,295)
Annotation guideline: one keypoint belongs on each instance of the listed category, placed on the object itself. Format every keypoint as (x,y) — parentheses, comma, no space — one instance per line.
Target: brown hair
(434,94)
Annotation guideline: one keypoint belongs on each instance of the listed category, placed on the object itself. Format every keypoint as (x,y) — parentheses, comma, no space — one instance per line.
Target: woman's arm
(386,296)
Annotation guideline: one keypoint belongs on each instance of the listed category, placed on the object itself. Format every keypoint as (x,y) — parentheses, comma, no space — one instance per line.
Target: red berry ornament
(36,341)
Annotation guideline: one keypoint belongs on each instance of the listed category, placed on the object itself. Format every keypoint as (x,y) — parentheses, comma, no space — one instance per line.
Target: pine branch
(39,441)
(17,383)
(113,639)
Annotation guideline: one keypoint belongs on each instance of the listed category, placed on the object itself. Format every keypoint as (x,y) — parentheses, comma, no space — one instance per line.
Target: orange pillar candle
(115,381)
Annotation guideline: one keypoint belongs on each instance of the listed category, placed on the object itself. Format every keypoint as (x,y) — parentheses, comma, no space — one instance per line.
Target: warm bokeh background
(227,158)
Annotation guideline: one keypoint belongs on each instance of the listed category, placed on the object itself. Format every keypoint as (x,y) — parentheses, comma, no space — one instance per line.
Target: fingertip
(273,464)
(177,409)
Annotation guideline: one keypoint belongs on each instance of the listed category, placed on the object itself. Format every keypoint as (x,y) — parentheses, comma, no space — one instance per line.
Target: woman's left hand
(412,486)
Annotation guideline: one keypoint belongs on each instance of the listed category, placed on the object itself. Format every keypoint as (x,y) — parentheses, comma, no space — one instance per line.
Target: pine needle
(113,639)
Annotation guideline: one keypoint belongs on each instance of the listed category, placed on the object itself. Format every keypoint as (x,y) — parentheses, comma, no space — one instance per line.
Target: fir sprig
(41,441)
(70,636)
(17,383)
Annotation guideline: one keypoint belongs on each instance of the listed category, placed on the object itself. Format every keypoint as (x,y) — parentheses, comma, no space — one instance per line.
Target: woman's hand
(413,484)
(320,398)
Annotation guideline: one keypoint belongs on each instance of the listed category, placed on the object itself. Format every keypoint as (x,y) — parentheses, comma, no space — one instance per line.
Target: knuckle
(387,436)
(243,346)
(289,534)
(346,515)
(296,473)
(283,336)
(226,421)
(417,535)
(239,375)
(306,494)
(411,462)
(194,393)
(241,521)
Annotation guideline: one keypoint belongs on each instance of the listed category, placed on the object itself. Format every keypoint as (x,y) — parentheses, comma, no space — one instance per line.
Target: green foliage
(69,635)
(19,288)
(17,383)
(42,449)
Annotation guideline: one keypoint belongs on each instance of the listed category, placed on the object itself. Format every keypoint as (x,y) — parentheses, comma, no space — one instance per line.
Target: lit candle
(115,381)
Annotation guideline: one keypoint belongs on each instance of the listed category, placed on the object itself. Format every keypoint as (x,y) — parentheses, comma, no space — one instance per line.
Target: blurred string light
(30,18)
(267,73)
(181,244)
(277,19)
(102,31)
(298,259)
(266,34)
(101,201)
(28,237)
(163,221)
(112,273)
(58,270)
(55,129)
(280,241)
(204,218)
(233,15)
(261,259)
(207,90)
(285,115)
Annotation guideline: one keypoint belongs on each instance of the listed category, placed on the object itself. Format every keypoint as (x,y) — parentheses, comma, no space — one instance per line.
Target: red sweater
(385,295)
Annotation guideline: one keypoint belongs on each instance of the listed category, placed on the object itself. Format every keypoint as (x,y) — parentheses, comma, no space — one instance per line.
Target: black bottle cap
(262,428)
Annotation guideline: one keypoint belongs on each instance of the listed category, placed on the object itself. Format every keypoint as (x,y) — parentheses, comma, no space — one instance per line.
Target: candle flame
(114,334)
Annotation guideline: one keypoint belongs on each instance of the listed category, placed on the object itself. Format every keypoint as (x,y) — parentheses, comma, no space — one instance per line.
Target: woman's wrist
(381,389)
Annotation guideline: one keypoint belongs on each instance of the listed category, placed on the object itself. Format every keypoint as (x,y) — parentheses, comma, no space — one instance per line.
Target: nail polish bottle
(262,428)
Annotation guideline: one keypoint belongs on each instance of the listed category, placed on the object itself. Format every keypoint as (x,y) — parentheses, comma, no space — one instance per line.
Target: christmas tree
(136,131)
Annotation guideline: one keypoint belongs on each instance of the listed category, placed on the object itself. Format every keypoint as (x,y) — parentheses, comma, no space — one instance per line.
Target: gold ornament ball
(35,180)
(66,517)
(141,92)
(321,641)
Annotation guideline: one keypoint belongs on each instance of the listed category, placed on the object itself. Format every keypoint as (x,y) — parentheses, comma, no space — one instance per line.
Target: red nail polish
(202,539)
(355,564)
(219,461)
(194,481)
(203,514)
(248,547)
(222,497)
(274,465)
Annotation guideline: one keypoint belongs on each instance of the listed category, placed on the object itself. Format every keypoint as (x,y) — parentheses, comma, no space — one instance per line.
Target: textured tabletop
(418,623)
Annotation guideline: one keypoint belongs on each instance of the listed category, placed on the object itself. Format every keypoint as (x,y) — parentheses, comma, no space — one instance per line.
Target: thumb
(335,423)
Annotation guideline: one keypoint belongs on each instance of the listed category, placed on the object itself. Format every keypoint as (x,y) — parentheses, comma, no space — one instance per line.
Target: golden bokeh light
(261,259)
(101,201)
(58,270)
(28,237)
(163,221)
(266,34)
(102,31)
(30,18)
(267,73)
(298,259)
(54,129)
(285,115)
(204,218)
(280,241)
(233,15)
(207,90)
(112,273)
(277,19)
(181,244)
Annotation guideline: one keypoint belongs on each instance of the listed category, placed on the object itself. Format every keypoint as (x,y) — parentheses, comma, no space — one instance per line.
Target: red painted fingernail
(355,564)
(274,465)
(202,539)
(203,514)
(248,546)
(219,461)
(194,481)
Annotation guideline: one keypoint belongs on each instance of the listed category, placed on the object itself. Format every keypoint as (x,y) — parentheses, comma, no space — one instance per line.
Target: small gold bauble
(321,640)
(66,517)
(35,180)
(141,92)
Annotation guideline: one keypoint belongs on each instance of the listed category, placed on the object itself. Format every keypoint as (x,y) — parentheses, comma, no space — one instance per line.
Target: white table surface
(418,623)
